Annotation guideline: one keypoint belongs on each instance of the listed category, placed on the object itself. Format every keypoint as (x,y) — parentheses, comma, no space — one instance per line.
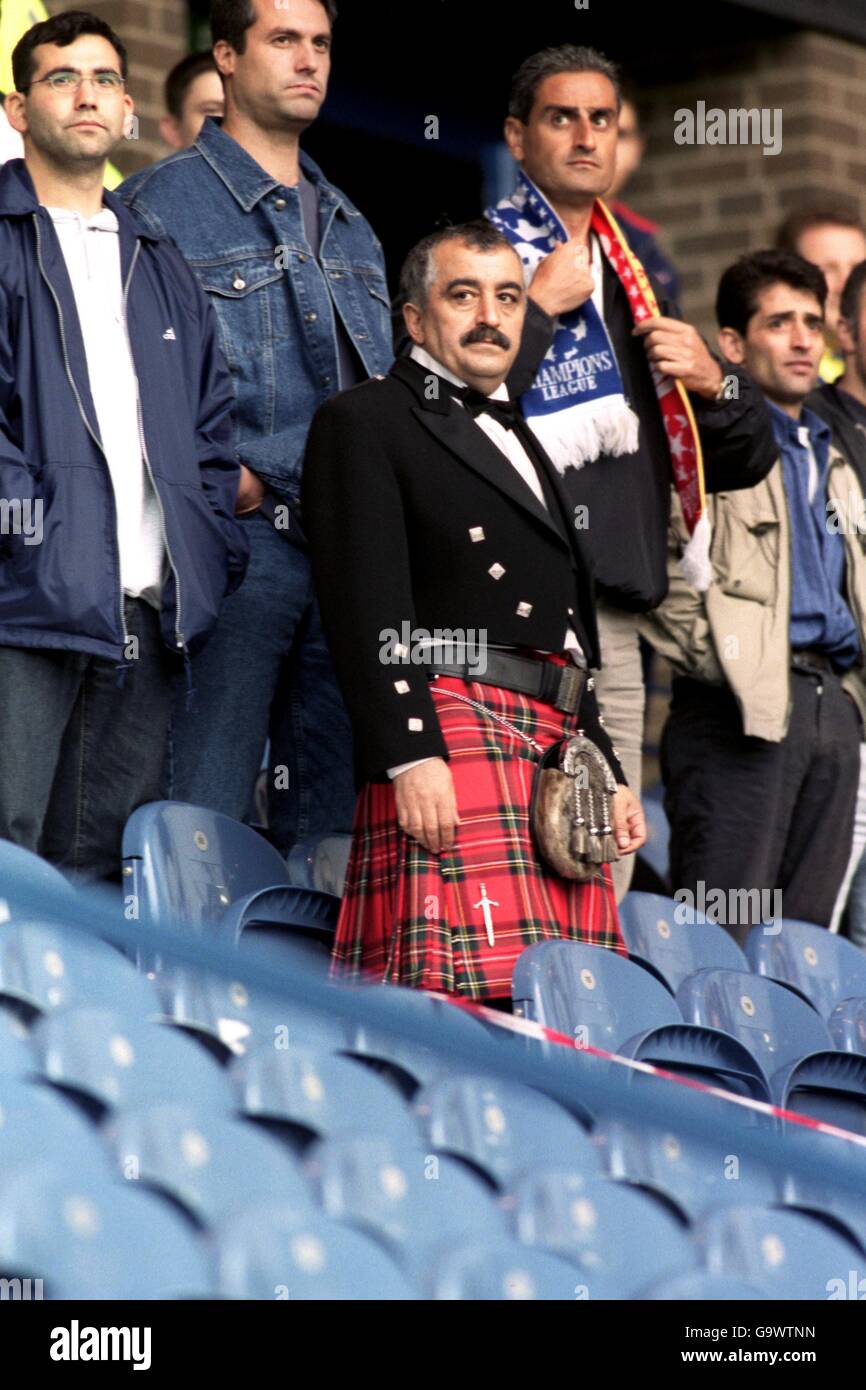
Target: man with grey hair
(432,511)
(627,399)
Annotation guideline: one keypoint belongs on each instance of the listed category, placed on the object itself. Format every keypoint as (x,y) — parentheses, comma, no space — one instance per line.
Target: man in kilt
(458,606)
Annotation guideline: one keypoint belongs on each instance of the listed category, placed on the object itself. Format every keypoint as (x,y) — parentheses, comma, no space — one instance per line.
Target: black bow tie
(506,412)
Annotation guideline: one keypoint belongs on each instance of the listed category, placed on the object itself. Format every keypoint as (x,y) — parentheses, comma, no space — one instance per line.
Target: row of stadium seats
(170,1130)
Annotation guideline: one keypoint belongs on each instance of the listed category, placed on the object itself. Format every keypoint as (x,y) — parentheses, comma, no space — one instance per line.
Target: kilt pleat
(413,918)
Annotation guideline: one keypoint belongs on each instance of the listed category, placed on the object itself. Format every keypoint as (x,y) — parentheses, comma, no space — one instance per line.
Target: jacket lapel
(457,431)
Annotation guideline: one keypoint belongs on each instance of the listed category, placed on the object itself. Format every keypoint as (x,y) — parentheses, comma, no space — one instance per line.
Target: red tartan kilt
(413,918)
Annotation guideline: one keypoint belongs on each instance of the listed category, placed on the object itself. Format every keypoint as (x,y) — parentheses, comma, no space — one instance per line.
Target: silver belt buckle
(570,689)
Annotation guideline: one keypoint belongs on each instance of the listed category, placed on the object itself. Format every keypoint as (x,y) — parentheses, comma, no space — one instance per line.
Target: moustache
(485,335)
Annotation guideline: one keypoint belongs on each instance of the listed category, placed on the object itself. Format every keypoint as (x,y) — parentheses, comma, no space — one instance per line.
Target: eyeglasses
(68,80)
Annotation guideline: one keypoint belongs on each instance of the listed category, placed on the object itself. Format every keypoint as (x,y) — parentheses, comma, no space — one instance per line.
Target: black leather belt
(813,662)
(560,686)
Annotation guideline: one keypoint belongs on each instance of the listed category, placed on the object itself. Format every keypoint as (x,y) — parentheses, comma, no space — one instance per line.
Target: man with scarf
(628,400)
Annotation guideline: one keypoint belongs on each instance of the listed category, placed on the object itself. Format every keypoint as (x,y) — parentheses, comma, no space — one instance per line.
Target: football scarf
(576,405)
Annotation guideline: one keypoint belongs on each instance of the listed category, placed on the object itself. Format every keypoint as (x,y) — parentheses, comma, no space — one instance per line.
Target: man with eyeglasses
(117,474)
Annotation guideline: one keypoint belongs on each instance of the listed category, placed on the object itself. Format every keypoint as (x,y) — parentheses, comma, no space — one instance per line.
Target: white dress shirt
(91,249)
(509,444)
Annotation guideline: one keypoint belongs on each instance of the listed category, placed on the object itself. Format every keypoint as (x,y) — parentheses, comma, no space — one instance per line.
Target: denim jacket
(242,233)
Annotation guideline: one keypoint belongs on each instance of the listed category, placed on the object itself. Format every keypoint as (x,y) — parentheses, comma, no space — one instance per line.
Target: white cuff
(404,767)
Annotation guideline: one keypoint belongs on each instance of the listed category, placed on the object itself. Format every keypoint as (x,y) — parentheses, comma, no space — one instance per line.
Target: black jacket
(847,422)
(629,498)
(407,505)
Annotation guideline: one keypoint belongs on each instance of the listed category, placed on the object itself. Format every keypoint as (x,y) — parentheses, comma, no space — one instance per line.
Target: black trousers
(78,753)
(749,815)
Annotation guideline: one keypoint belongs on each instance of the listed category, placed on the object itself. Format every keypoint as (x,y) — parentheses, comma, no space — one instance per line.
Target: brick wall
(715,202)
(155,32)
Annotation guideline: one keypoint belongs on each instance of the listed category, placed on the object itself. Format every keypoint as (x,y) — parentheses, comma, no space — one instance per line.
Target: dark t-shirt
(350,367)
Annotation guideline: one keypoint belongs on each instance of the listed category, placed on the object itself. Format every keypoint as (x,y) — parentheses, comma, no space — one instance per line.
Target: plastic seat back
(16,1055)
(695,1175)
(783,1253)
(44,967)
(412,1200)
(270,1253)
(231,1015)
(703,1288)
(823,967)
(777,1027)
(672,940)
(25,878)
(88,1236)
(847,1024)
(503,1272)
(187,863)
(590,992)
(208,1163)
(118,1060)
(317,1093)
(36,1120)
(502,1128)
(418,1063)
(610,1230)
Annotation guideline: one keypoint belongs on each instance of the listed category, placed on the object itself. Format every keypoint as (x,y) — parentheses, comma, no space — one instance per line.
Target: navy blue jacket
(65,592)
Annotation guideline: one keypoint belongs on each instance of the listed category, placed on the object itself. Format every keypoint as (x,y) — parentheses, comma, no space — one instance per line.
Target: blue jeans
(78,752)
(266,674)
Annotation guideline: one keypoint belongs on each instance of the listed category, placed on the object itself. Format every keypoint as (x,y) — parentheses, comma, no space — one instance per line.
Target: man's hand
(629,823)
(251,490)
(678,350)
(563,280)
(426,804)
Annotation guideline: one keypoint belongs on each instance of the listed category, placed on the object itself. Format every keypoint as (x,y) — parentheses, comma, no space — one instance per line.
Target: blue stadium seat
(25,877)
(788,1039)
(187,864)
(695,1175)
(842,1212)
(604,1001)
(16,1055)
(502,1128)
(320,862)
(231,1015)
(804,1187)
(495,1272)
(613,1233)
(88,1236)
(703,1288)
(36,1121)
(209,1163)
(117,1060)
(656,851)
(417,1064)
(315,1093)
(847,1024)
(45,967)
(271,1254)
(413,1201)
(822,967)
(672,941)
(785,1254)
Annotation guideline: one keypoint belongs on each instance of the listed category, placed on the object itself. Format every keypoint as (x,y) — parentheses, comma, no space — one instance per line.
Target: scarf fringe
(695,565)
(576,436)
